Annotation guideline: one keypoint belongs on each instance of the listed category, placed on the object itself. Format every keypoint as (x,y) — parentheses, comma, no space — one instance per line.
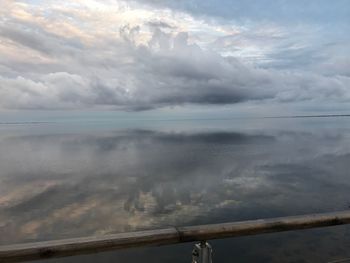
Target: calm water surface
(72,179)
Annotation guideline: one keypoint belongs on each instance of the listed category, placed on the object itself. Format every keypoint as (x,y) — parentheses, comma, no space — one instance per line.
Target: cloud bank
(133,56)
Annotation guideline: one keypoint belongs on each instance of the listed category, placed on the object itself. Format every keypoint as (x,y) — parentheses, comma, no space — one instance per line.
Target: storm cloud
(131,56)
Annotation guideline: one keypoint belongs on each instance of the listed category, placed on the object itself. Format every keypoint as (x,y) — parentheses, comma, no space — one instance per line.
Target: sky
(268,57)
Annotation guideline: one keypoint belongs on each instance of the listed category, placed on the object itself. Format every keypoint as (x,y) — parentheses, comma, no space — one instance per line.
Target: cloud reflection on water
(58,186)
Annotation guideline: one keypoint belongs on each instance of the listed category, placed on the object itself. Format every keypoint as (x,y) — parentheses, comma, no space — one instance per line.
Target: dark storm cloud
(78,70)
(170,76)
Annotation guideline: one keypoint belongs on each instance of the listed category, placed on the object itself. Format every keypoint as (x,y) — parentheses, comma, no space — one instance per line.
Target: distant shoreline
(310,116)
(193,119)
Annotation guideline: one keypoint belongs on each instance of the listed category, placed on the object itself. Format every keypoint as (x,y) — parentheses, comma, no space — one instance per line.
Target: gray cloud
(169,69)
(159,24)
(36,38)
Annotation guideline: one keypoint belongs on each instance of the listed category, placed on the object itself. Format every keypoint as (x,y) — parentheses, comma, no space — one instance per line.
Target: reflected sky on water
(60,180)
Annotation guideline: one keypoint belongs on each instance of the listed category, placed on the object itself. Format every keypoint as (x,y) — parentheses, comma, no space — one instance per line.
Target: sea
(75,177)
